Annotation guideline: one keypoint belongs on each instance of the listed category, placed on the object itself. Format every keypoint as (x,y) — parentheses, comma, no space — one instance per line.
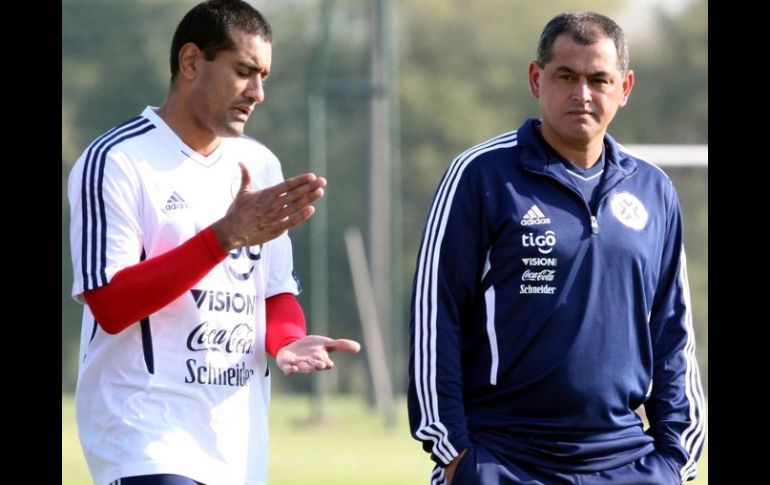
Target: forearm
(435,395)
(675,407)
(446,278)
(285,322)
(436,414)
(676,413)
(144,288)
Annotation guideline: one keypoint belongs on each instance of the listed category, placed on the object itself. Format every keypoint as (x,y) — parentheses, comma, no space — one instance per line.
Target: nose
(582,92)
(255,90)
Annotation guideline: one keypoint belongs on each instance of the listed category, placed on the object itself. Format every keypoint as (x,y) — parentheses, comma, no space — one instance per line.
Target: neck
(584,155)
(176,113)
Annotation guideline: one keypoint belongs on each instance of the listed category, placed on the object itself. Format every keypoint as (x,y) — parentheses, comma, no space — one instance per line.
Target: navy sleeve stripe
(94,231)
(103,212)
(692,438)
(425,298)
(437,433)
(149,357)
(84,195)
(437,476)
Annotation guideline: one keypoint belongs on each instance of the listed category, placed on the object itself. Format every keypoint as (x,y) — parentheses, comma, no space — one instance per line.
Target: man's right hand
(256,217)
(449,470)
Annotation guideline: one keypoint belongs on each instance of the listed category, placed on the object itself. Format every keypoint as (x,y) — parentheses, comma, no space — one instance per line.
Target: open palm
(311,353)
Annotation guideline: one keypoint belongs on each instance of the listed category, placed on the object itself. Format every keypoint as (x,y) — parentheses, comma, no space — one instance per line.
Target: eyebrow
(592,74)
(251,66)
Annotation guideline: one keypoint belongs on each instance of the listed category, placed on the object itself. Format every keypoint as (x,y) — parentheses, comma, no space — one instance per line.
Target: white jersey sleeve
(105,234)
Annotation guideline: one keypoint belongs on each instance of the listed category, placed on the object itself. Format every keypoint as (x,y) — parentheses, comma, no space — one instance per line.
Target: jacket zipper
(592,217)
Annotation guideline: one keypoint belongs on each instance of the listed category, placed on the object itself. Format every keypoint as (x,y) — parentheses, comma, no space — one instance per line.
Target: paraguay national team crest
(629,210)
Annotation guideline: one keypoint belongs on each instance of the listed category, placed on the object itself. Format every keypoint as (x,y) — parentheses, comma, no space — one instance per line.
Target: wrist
(226,242)
(288,340)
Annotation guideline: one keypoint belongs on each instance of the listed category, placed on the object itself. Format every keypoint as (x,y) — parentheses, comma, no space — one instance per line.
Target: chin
(581,135)
(585,129)
(232,130)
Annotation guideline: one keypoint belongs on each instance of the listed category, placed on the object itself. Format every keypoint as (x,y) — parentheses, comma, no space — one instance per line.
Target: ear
(189,57)
(534,79)
(628,84)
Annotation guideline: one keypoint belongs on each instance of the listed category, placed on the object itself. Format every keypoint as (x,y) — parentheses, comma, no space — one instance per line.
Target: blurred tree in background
(462,79)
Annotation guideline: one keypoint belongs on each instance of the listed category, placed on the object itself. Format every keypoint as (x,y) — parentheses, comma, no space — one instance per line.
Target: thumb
(343,345)
(245,178)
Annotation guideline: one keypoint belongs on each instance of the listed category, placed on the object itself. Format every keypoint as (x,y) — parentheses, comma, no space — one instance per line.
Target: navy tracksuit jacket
(538,326)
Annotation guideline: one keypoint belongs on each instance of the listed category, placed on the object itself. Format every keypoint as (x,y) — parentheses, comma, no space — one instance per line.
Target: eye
(567,77)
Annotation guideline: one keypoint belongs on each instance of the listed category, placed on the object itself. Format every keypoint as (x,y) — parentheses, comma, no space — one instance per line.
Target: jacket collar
(535,155)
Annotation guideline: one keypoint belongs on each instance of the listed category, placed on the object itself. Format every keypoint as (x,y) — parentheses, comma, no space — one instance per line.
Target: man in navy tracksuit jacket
(550,298)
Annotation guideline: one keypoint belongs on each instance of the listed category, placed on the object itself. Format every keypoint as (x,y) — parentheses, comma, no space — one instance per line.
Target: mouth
(580,112)
(243,110)
(582,115)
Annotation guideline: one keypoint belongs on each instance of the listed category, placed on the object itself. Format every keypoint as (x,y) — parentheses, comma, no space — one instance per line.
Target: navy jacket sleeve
(675,406)
(448,270)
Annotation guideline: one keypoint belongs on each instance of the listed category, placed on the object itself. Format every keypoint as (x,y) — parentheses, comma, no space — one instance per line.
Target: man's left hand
(311,353)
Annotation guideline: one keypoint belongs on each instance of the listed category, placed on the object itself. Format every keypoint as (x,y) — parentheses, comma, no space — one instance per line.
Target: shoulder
(122,137)
(116,144)
(649,177)
(492,147)
(647,168)
(486,155)
(258,158)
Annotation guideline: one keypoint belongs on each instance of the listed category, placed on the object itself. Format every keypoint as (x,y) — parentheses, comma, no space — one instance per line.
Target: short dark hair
(585,28)
(209,24)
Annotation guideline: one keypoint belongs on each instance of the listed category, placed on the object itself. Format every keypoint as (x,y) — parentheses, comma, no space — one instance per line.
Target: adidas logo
(534,217)
(176,202)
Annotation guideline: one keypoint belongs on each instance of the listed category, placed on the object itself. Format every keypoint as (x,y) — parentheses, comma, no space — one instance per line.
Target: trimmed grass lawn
(351,447)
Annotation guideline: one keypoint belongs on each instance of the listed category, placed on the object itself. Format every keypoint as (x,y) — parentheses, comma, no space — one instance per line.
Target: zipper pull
(594,225)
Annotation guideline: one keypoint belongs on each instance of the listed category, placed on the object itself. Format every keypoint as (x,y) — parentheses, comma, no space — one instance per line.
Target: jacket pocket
(465,471)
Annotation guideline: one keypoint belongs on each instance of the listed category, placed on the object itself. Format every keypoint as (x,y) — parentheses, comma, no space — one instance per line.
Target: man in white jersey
(181,256)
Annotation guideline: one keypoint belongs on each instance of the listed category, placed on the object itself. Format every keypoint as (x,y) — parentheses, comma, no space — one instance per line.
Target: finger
(317,366)
(301,196)
(343,345)
(298,190)
(276,198)
(292,183)
(298,182)
(301,190)
(245,178)
(292,207)
(289,369)
(287,223)
(305,368)
(323,363)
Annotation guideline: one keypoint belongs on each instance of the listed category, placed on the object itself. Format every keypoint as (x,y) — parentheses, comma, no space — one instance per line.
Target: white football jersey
(186,390)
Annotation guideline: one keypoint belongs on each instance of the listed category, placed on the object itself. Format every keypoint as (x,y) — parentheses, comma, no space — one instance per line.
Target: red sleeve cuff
(211,243)
(285,322)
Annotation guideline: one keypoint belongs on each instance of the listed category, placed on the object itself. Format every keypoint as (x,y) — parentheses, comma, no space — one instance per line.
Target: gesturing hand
(311,353)
(255,217)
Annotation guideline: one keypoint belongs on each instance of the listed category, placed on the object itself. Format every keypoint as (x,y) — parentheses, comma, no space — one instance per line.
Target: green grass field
(352,447)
